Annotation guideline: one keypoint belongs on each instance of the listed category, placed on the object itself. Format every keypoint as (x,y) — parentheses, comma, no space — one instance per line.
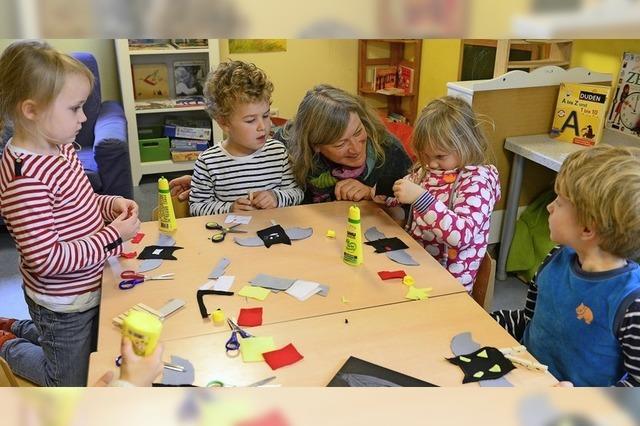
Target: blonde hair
(233,83)
(321,119)
(603,183)
(449,124)
(33,70)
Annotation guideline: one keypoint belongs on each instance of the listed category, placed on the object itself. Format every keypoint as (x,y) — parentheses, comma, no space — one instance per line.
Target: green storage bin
(156,149)
(150,132)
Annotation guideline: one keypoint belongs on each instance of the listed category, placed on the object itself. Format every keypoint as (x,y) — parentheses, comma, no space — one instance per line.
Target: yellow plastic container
(353,244)
(143,329)
(166,215)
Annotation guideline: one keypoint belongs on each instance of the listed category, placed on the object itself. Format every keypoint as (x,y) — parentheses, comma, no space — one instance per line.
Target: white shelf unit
(126,57)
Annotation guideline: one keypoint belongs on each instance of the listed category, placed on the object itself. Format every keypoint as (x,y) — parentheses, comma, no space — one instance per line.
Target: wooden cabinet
(393,94)
(156,116)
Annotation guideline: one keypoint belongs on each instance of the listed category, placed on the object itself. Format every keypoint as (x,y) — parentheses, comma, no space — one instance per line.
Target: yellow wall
(105,54)
(304,64)
(440,65)
(602,55)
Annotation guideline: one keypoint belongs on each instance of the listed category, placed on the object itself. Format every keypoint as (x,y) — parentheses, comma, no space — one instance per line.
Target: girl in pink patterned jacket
(451,190)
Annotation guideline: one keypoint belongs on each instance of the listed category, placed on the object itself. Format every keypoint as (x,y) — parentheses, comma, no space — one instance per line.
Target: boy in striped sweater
(247,171)
(582,316)
(53,215)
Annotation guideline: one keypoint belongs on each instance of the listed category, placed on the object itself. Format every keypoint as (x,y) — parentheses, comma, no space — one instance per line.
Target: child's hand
(241,205)
(126,225)
(121,205)
(180,187)
(140,370)
(265,200)
(352,190)
(406,191)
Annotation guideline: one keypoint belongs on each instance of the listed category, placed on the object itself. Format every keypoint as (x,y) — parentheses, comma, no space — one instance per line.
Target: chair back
(7,379)
(180,209)
(485,279)
(92,106)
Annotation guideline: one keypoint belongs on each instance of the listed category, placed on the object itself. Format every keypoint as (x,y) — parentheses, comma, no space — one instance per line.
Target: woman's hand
(241,205)
(406,191)
(352,190)
(121,205)
(180,187)
(264,200)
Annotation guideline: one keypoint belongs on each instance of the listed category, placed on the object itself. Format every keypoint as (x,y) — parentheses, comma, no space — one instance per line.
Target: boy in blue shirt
(582,315)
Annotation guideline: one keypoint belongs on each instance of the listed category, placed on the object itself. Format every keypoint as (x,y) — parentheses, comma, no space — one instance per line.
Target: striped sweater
(220,178)
(628,335)
(56,221)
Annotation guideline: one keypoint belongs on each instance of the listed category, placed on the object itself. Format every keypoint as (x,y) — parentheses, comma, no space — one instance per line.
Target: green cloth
(531,242)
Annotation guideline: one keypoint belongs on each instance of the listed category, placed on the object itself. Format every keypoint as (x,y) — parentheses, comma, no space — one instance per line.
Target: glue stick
(166,215)
(143,329)
(353,244)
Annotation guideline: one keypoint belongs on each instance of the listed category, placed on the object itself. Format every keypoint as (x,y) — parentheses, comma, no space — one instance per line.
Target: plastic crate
(156,149)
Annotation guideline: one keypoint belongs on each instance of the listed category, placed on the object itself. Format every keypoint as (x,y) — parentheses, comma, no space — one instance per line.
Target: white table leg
(510,215)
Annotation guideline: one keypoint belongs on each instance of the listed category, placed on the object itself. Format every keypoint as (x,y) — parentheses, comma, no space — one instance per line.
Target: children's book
(190,43)
(405,79)
(150,81)
(149,43)
(385,77)
(580,113)
(624,113)
(360,373)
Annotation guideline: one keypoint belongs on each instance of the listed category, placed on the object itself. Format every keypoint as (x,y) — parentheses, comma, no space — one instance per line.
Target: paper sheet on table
(254,292)
(418,293)
(236,218)
(302,290)
(252,348)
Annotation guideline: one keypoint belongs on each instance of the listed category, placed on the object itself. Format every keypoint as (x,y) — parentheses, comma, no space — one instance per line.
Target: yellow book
(580,113)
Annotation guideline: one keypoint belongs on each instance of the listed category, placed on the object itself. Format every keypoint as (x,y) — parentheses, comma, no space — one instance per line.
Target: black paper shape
(165,254)
(274,235)
(387,244)
(486,363)
(357,372)
(201,293)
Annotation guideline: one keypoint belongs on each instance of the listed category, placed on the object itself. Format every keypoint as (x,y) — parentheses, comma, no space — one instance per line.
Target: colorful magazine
(624,114)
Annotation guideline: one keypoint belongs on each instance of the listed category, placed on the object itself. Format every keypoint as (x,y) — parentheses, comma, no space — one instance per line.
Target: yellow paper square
(418,293)
(252,348)
(254,292)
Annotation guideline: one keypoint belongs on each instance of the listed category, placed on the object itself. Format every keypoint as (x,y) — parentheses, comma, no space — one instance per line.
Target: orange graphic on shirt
(450,178)
(452,253)
(584,313)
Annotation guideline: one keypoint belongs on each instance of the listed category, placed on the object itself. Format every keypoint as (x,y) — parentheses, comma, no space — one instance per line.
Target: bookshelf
(127,57)
(384,54)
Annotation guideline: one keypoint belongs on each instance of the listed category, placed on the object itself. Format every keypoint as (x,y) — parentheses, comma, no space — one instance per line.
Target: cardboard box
(179,156)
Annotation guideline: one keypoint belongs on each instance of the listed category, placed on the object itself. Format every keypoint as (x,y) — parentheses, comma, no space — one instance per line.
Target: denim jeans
(52,349)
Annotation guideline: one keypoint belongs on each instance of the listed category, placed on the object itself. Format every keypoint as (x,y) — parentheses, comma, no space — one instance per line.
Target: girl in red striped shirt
(53,215)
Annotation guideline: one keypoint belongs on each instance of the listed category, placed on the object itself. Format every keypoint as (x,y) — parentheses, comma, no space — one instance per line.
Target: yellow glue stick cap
(408,280)
(331,233)
(218,317)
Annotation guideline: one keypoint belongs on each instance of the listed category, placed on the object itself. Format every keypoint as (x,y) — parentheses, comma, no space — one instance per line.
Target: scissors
(132,279)
(166,365)
(233,344)
(218,237)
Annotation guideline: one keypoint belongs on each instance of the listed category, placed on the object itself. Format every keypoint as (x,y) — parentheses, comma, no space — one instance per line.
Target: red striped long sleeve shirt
(56,221)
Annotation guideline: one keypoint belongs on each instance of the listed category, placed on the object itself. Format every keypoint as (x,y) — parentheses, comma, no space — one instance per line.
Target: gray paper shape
(299,233)
(324,290)
(219,269)
(373,234)
(149,264)
(165,240)
(402,257)
(270,282)
(249,241)
(170,377)
(462,344)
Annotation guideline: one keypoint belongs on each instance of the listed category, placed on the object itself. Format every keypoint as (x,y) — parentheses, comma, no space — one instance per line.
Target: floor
(508,294)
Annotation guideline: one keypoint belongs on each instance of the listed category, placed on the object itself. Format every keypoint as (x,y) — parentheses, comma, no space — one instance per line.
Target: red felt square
(387,275)
(137,238)
(272,418)
(130,255)
(251,317)
(281,357)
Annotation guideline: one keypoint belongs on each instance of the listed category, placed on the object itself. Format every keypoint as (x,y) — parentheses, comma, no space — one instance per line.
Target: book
(189,77)
(190,43)
(149,43)
(405,79)
(580,113)
(357,372)
(624,112)
(384,77)
(150,81)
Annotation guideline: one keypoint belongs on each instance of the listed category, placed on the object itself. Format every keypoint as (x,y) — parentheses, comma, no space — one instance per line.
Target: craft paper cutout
(415,293)
(296,234)
(463,343)
(200,297)
(252,348)
(388,275)
(149,265)
(250,317)
(274,235)
(481,363)
(137,238)
(249,241)
(360,373)
(159,252)
(402,257)
(253,292)
(271,282)
(373,234)
(130,255)
(176,378)
(219,269)
(302,290)
(236,218)
(272,418)
(165,240)
(224,283)
(384,245)
(282,357)
(324,290)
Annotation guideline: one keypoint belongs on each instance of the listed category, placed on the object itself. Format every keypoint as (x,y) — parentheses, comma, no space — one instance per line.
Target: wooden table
(412,338)
(317,258)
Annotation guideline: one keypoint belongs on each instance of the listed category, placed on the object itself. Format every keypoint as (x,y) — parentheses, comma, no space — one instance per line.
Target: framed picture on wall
(189,77)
